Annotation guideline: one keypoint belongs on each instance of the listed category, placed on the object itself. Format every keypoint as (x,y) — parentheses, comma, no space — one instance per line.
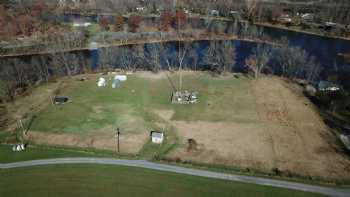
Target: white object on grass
(101,82)
(121,77)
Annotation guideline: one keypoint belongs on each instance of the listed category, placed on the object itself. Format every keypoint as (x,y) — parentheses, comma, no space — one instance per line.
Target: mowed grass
(93,180)
(31,153)
(93,108)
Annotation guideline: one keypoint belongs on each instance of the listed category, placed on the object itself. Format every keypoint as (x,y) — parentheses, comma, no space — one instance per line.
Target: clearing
(262,124)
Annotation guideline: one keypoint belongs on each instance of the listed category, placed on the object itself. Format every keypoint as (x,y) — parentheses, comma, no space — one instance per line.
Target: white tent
(101,82)
(121,77)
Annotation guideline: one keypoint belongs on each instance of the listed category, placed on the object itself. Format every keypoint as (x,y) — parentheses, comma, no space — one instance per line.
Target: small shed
(157,137)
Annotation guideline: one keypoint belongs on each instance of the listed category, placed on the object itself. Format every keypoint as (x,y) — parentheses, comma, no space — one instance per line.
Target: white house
(157,137)
(214,12)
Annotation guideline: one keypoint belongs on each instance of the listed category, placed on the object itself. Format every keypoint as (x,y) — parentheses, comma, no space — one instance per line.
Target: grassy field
(137,107)
(91,180)
(43,152)
(93,108)
(252,124)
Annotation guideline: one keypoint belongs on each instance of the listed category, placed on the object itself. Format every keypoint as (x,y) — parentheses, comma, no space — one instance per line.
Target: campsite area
(259,124)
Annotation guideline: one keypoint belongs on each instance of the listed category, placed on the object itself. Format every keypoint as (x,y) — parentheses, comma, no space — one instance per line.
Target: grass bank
(92,180)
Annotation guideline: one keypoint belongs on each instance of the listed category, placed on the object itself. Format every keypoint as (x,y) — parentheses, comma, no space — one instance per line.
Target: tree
(134,23)
(118,23)
(193,56)
(259,59)
(103,22)
(153,56)
(25,24)
(180,19)
(220,56)
(251,8)
(165,20)
(295,62)
(38,8)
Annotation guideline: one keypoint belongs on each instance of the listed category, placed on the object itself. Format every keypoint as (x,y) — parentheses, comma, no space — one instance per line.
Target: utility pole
(117,134)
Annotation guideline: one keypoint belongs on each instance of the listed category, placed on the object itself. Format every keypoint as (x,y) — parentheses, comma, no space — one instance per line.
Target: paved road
(182,170)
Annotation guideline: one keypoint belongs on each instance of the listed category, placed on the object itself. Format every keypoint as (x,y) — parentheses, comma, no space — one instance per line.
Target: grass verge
(92,180)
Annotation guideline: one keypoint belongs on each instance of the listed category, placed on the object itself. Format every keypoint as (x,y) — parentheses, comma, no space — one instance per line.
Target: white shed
(157,137)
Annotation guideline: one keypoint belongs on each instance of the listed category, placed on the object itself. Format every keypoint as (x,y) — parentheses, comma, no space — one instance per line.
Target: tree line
(219,57)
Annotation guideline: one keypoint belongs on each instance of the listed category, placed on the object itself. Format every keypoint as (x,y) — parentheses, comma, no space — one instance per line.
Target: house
(328,86)
(307,17)
(285,18)
(157,137)
(140,9)
(214,13)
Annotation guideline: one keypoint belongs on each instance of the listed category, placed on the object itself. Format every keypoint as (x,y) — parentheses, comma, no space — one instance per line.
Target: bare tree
(193,56)
(220,56)
(153,56)
(295,62)
(257,62)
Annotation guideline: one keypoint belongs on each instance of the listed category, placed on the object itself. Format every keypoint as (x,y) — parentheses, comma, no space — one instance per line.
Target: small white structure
(121,77)
(157,137)
(18,148)
(140,9)
(307,17)
(77,24)
(214,12)
(101,82)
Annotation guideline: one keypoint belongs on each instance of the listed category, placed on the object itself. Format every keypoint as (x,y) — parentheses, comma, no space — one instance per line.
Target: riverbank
(300,31)
(174,38)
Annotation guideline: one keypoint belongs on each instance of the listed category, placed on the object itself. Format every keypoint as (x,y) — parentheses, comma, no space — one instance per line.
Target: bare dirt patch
(291,136)
(165,114)
(129,143)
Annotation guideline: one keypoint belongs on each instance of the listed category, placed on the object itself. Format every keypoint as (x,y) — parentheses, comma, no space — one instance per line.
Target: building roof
(157,134)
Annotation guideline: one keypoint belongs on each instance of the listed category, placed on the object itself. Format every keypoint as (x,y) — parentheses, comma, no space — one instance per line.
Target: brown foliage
(165,20)
(25,24)
(103,22)
(118,23)
(251,63)
(180,19)
(38,7)
(134,23)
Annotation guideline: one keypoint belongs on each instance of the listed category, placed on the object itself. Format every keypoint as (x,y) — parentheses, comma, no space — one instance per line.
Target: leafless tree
(257,62)
(220,56)
(295,62)
(61,43)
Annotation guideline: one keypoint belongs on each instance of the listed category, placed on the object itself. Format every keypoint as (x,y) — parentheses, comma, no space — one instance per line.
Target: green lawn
(138,98)
(42,152)
(92,180)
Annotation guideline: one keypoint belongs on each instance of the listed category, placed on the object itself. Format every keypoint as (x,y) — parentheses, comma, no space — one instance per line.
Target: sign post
(117,139)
